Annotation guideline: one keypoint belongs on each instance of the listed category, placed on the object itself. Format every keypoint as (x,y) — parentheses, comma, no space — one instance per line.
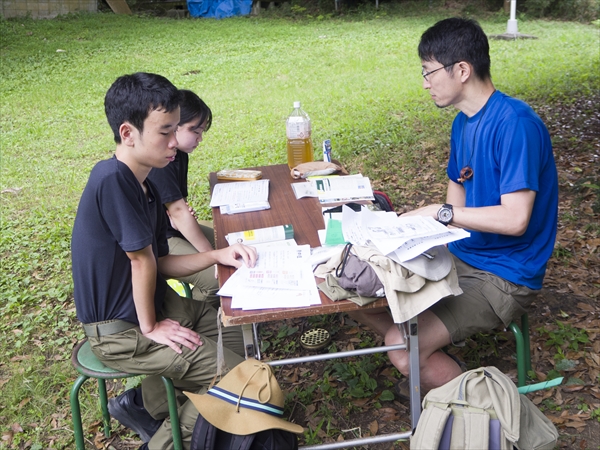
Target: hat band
(245,402)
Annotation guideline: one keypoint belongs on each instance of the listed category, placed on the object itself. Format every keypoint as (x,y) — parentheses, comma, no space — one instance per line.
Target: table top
(306,217)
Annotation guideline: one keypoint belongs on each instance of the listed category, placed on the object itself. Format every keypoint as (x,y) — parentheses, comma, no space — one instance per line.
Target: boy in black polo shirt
(134,321)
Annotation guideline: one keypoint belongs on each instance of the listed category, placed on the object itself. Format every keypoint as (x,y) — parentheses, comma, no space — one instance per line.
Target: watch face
(445,215)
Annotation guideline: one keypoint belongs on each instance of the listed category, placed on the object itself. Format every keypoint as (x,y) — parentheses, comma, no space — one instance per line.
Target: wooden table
(306,217)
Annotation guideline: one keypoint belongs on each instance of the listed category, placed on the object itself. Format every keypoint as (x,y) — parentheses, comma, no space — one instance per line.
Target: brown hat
(247,400)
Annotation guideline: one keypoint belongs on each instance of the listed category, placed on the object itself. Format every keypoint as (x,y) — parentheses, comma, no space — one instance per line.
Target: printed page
(400,238)
(240,192)
(281,278)
(340,189)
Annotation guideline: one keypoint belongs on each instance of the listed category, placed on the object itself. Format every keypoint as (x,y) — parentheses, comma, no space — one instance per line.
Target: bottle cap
(296,105)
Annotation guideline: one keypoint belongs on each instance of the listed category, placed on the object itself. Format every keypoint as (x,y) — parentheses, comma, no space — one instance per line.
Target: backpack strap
(430,427)
(203,435)
(206,436)
(239,442)
(477,429)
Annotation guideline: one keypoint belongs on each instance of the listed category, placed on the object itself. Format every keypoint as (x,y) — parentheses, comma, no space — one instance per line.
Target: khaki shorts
(487,302)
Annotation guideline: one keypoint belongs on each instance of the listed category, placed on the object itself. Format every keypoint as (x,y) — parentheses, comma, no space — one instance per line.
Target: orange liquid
(299,151)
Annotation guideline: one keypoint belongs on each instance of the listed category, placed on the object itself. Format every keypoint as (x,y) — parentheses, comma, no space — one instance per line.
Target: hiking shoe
(130,414)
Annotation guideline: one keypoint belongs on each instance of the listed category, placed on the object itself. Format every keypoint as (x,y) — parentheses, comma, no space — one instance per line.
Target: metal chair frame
(523,349)
(86,363)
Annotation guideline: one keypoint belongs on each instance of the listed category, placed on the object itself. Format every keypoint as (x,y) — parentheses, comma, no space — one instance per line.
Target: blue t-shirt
(512,151)
(114,216)
(171,182)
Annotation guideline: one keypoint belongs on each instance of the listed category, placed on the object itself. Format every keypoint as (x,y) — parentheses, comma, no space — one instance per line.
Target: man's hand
(171,333)
(229,256)
(430,210)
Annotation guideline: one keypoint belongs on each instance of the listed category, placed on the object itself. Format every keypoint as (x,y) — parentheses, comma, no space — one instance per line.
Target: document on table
(336,189)
(400,238)
(281,278)
(241,196)
(343,189)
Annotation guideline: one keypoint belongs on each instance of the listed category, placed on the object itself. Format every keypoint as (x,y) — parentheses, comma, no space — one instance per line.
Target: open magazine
(400,238)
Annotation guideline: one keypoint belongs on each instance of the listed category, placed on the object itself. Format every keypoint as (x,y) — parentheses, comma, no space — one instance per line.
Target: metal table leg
(415,373)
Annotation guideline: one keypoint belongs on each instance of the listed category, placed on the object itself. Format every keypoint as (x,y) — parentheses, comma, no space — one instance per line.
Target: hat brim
(242,421)
(434,269)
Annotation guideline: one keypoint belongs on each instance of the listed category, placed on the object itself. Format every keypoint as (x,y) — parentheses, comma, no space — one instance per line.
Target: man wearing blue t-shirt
(133,320)
(502,188)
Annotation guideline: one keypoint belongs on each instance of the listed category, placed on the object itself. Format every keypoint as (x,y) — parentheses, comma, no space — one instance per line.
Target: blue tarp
(219,8)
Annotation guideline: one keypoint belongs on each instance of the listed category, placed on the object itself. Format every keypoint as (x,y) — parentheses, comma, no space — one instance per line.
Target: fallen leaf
(573,388)
(586,307)
(373,428)
(360,401)
(575,424)
(541,375)
(7,437)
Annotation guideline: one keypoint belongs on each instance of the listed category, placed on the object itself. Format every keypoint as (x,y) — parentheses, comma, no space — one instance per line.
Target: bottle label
(297,128)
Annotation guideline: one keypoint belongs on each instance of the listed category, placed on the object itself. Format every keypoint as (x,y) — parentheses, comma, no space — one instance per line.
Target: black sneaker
(130,414)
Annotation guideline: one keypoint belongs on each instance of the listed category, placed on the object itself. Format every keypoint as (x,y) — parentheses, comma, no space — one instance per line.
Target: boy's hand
(171,333)
(192,212)
(229,256)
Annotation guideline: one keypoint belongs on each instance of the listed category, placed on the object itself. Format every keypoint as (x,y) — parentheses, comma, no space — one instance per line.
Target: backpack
(481,409)
(383,201)
(208,437)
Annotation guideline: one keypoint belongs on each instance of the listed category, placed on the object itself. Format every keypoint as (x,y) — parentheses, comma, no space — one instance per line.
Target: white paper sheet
(343,189)
(240,192)
(403,237)
(304,190)
(281,278)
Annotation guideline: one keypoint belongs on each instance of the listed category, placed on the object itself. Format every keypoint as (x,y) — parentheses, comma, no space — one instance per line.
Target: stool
(523,349)
(86,363)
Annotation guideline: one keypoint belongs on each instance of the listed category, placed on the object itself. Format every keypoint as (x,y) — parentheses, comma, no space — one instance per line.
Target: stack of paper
(281,278)
(241,196)
(336,189)
(400,238)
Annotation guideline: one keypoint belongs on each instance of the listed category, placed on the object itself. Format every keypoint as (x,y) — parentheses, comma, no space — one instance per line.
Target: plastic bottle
(299,143)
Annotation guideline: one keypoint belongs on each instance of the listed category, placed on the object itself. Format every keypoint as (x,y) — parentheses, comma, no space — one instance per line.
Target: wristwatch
(445,214)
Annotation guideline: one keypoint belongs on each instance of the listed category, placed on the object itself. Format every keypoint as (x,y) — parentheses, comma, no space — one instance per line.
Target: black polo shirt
(114,216)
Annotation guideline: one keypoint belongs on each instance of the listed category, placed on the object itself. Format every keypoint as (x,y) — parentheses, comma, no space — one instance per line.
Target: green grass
(358,77)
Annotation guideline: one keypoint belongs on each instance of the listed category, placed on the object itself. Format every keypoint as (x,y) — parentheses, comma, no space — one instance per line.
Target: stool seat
(86,363)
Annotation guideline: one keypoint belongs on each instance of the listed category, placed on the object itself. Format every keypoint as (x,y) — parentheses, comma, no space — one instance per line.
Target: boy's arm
(184,221)
(143,279)
(175,266)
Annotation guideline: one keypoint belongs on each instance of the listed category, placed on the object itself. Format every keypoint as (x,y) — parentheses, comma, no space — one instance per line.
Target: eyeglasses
(426,74)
